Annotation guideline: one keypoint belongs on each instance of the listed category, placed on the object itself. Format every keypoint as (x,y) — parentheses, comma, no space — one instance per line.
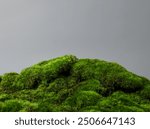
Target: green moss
(111,75)
(0,79)
(4,97)
(146,92)
(90,109)
(129,82)
(119,102)
(7,81)
(57,85)
(12,105)
(31,77)
(70,84)
(90,85)
(145,107)
(87,98)
(29,107)
(58,66)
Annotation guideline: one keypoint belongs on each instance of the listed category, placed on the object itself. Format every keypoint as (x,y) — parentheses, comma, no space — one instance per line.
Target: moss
(145,107)
(29,107)
(70,84)
(31,77)
(4,97)
(111,75)
(0,79)
(146,92)
(12,105)
(58,66)
(129,82)
(7,81)
(87,98)
(90,109)
(119,102)
(57,85)
(90,85)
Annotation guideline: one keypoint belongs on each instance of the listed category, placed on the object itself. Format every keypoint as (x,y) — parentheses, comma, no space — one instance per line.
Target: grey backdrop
(113,30)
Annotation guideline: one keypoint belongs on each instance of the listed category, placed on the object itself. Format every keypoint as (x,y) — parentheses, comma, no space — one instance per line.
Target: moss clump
(119,102)
(7,81)
(146,92)
(28,78)
(70,84)
(47,71)
(111,75)
(12,105)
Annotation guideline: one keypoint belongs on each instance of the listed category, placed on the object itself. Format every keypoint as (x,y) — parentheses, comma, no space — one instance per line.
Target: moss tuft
(146,92)
(8,80)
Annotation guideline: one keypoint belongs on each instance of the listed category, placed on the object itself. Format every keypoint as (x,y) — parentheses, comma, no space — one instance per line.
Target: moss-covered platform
(70,84)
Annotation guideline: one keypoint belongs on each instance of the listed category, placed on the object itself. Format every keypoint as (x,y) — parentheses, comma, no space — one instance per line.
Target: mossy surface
(70,84)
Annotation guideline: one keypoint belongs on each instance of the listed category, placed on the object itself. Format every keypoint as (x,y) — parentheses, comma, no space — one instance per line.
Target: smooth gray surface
(113,30)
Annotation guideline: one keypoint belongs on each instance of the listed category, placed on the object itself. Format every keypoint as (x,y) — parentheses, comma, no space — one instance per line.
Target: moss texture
(70,84)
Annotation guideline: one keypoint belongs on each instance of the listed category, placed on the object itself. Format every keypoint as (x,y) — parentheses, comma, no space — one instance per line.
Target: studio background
(113,30)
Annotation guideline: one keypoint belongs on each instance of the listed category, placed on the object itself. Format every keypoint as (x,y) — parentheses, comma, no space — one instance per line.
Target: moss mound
(70,84)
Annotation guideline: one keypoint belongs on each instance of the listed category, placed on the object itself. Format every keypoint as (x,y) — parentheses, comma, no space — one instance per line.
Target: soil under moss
(70,84)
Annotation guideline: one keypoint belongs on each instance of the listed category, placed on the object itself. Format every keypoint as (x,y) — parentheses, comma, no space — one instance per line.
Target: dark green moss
(70,84)
(111,75)
(5,96)
(119,102)
(146,92)
(7,81)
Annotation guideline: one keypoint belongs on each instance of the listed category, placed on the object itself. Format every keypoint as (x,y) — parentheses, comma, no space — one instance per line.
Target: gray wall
(113,30)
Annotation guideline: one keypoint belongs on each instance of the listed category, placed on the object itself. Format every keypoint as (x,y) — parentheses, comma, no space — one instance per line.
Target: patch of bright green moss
(70,84)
